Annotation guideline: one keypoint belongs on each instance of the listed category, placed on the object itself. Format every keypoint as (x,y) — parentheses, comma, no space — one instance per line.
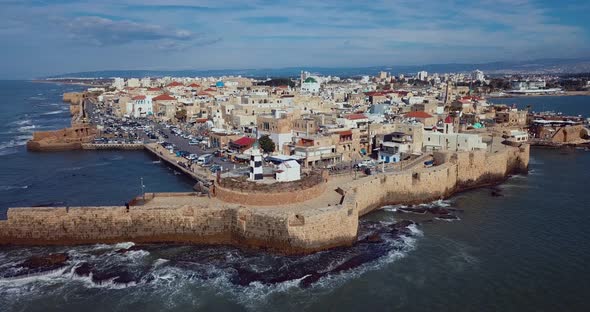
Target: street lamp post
(142,189)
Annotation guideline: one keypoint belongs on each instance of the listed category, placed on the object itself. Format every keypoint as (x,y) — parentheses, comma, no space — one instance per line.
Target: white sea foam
(13,187)
(24,137)
(54,112)
(12,143)
(27,128)
(125,245)
(45,277)
(448,220)
(160,262)
(22,122)
(107,284)
(37,98)
(136,254)
(393,208)
(415,230)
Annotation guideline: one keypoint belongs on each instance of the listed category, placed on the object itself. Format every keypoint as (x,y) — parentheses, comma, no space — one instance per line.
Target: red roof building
(138,97)
(242,144)
(194,85)
(418,114)
(174,84)
(164,97)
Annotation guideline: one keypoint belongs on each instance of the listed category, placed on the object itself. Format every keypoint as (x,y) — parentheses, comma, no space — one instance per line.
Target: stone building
(512,117)
(278,128)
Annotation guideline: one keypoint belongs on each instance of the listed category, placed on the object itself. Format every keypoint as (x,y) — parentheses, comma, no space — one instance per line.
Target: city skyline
(52,37)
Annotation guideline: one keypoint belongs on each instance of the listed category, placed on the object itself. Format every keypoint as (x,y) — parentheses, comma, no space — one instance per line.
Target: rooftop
(164,97)
(418,114)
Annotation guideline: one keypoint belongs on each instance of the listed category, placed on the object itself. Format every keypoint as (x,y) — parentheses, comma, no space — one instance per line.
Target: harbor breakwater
(286,229)
(72,138)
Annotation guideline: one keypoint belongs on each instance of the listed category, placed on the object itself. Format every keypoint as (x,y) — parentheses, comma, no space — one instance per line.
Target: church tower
(448,127)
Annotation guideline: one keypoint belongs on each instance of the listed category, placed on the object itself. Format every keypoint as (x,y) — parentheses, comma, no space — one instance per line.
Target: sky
(46,37)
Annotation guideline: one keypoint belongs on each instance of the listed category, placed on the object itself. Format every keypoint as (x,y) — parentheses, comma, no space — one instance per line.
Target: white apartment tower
(422,75)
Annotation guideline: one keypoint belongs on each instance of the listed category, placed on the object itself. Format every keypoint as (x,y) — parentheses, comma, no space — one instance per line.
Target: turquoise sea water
(526,250)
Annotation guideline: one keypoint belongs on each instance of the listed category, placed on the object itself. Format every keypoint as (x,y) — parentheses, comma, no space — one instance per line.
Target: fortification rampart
(75,99)
(288,229)
(63,139)
(456,172)
(276,194)
(279,230)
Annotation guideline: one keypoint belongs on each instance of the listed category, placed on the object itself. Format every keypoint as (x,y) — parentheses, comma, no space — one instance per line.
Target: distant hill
(539,66)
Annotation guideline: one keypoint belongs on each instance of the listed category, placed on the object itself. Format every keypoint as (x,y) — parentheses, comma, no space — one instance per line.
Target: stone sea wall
(281,229)
(456,172)
(64,139)
(75,99)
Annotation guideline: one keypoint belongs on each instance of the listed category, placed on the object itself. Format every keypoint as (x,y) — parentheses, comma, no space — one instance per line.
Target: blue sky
(44,37)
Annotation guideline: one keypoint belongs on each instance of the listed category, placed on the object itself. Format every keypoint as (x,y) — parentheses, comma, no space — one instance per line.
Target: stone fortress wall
(71,138)
(456,172)
(281,193)
(64,139)
(292,230)
(75,99)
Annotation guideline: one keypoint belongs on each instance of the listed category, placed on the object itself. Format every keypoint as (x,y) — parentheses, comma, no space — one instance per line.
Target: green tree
(180,115)
(266,144)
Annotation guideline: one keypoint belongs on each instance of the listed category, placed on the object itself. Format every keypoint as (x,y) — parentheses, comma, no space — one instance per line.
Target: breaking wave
(13,187)
(54,112)
(171,271)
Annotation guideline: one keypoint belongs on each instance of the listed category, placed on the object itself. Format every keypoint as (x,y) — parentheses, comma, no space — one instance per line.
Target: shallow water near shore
(525,248)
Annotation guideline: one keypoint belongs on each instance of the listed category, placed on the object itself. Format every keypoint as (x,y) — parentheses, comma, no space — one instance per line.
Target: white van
(204,159)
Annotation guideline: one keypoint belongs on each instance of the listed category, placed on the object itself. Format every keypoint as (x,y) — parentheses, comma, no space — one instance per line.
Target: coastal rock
(126,250)
(83,270)
(374,238)
(45,263)
(438,211)
(418,210)
(114,275)
(496,192)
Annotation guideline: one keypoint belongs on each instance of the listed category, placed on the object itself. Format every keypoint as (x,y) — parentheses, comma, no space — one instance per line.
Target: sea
(521,246)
